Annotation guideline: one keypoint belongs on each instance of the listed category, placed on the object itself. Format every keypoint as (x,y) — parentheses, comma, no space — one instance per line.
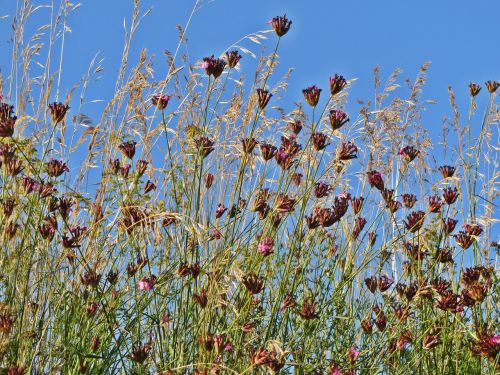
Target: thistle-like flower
(204,146)
(321,189)
(449,225)
(464,240)
(347,151)
(308,310)
(337,84)
(268,151)
(232,57)
(55,168)
(263,97)
(140,352)
(375,180)
(266,246)
(311,95)
(434,204)
(492,86)
(248,145)
(414,221)
(253,283)
(280,24)
(474,89)
(337,119)
(7,127)
(319,141)
(147,283)
(450,195)
(213,66)
(58,112)
(409,200)
(371,283)
(409,153)
(128,149)
(160,101)
(447,171)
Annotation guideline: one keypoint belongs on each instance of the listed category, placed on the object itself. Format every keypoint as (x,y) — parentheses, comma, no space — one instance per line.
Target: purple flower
(265,247)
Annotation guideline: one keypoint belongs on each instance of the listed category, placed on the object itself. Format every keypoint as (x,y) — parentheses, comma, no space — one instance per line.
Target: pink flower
(265,247)
(495,339)
(147,283)
(353,354)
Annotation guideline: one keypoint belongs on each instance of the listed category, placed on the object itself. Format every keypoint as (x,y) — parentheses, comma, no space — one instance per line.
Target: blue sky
(347,37)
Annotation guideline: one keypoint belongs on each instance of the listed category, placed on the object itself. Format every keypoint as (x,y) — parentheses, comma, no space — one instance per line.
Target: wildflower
(432,339)
(393,205)
(434,204)
(295,126)
(487,345)
(357,204)
(444,255)
(6,322)
(65,206)
(92,308)
(55,168)
(284,203)
(128,149)
(147,283)
(112,277)
(474,89)
(232,57)
(8,207)
(132,269)
(384,283)
(464,240)
(259,357)
(288,302)
(409,200)
(347,151)
(311,94)
(321,189)
(337,84)
(280,24)
(359,224)
(372,237)
(268,151)
(414,221)
(90,278)
(125,170)
(141,166)
(284,159)
(201,298)
(447,171)
(263,97)
(248,145)
(409,153)
(367,326)
(266,246)
(58,112)
(337,119)
(115,165)
(449,225)
(380,320)
(492,86)
(319,141)
(209,180)
(204,146)
(448,301)
(353,354)
(297,178)
(375,180)
(194,269)
(213,66)
(253,283)
(219,211)
(160,101)
(16,370)
(473,229)
(450,195)
(371,283)
(6,111)
(140,352)
(149,186)
(308,310)
(7,127)
(416,252)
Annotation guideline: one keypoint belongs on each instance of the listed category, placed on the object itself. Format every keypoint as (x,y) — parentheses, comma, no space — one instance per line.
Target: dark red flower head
(160,101)
(281,25)
(337,119)
(337,84)
(375,180)
(58,112)
(232,57)
(263,97)
(213,66)
(311,94)
(128,149)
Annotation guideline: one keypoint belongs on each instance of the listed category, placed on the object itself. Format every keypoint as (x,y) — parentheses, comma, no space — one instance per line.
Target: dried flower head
(213,66)
(128,149)
(263,97)
(337,119)
(474,89)
(311,95)
(447,171)
(58,112)
(492,86)
(319,141)
(337,84)
(232,57)
(160,101)
(280,24)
